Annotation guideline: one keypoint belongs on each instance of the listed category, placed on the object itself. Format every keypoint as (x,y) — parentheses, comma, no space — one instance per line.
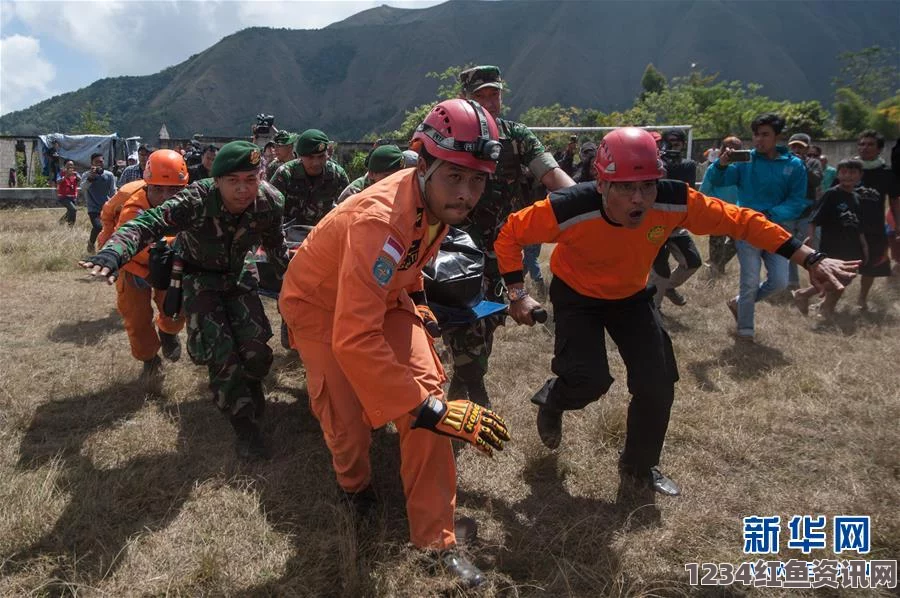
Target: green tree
(808,117)
(871,73)
(886,117)
(852,112)
(653,81)
(92,123)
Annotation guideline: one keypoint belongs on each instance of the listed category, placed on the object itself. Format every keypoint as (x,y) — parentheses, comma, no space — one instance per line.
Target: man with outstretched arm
(607,235)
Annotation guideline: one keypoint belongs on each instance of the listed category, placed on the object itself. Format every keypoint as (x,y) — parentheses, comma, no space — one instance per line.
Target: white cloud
(24,72)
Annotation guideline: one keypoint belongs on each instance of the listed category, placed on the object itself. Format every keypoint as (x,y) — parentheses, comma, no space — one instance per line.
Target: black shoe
(471,378)
(457,565)
(258,395)
(457,390)
(364,503)
(549,426)
(249,444)
(653,479)
(171,346)
(675,297)
(478,393)
(152,375)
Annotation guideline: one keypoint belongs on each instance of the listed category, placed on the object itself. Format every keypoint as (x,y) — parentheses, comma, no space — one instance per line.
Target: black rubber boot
(457,390)
(285,337)
(549,419)
(171,346)
(363,503)
(249,443)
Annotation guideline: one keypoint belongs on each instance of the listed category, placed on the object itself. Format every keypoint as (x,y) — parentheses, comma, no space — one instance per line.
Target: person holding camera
(135,172)
(97,185)
(507,190)
(770,180)
(679,245)
(218,221)
(721,248)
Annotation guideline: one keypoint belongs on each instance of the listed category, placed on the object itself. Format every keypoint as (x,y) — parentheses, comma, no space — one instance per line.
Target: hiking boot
(363,503)
(652,479)
(249,444)
(675,297)
(733,307)
(152,375)
(171,346)
(472,378)
(466,573)
(258,395)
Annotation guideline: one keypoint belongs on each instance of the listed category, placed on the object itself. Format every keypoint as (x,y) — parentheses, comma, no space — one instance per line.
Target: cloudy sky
(48,48)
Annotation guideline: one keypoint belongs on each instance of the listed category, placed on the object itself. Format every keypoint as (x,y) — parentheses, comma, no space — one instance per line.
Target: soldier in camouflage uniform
(384,161)
(311,183)
(285,146)
(506,191)
(218,221)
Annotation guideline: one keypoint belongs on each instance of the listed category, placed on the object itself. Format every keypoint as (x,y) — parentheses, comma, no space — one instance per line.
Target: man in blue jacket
(772,182)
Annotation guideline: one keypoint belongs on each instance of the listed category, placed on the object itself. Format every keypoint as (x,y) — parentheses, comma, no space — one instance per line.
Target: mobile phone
(739,156)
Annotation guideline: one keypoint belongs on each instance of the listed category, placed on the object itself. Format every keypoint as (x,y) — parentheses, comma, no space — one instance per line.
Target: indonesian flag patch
(393,248)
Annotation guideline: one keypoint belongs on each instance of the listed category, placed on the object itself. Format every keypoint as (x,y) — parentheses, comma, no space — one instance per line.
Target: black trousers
(582,369)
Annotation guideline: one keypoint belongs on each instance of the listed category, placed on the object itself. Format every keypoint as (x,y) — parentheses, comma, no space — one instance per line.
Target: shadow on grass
(742,361)
(86,332)
(559,542)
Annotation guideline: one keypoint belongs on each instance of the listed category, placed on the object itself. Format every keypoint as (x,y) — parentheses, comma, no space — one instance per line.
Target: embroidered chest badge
(656,234)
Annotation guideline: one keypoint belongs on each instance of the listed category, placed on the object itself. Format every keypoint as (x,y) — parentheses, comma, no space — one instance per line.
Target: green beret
(284,138)
(237,156)
(477,77)
(385,158)
(312,141)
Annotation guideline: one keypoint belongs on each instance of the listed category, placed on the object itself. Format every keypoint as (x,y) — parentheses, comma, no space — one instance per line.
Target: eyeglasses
(646,188)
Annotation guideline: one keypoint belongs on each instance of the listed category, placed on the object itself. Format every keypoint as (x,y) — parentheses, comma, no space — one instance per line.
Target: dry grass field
(106,492)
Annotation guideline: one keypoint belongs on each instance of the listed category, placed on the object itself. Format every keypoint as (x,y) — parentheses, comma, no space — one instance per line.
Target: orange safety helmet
(628,154)
(166,168)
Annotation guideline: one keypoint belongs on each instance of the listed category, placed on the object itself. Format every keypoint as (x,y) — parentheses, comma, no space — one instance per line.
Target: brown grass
(104,492)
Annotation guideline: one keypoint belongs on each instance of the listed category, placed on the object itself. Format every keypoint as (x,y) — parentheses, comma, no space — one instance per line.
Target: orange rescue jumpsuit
(109,215)
(133,292)
(369,360)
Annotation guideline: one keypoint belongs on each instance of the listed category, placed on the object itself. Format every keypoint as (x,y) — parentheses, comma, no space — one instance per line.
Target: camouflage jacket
(308,199)
(354,187)
(213,243)
(508,189)
(271,167)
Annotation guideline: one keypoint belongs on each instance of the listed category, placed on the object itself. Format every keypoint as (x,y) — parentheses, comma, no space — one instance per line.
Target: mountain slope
(362,73)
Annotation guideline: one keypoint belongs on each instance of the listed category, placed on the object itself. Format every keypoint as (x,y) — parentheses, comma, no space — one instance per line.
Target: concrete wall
(8,157)
(28,197)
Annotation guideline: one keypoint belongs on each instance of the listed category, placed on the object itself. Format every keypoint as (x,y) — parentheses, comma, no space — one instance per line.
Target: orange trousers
(427,465)
(133,297)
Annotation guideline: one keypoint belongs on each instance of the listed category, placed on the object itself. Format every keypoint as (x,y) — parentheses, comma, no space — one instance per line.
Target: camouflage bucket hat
(478,77)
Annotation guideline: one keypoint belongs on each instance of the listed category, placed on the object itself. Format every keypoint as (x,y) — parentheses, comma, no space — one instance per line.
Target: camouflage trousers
(227,331)
(473,344)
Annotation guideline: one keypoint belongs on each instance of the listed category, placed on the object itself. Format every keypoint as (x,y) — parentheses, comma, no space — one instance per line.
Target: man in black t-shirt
(879,176)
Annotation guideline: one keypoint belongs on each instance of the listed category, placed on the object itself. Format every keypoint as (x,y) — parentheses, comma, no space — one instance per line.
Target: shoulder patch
(393,248)
(576,204)
(383,270)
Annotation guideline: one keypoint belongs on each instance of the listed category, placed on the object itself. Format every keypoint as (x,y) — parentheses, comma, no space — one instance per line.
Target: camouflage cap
(386,158)
(236,156)
(285,138)
(477,77)
(312,141)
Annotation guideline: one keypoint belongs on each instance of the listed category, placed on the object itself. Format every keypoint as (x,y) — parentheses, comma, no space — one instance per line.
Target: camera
(264,124)
(739,156)
(668,154)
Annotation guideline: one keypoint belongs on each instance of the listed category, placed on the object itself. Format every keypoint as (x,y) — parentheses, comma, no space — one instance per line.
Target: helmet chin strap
(423,178)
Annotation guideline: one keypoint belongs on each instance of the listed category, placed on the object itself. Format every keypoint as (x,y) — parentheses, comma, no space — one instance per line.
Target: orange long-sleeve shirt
(109,215)
(604,260)
(363,259)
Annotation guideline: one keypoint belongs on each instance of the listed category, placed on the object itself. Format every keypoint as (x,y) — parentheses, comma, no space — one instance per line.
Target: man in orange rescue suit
(354,303)
(607,234)
(165,174)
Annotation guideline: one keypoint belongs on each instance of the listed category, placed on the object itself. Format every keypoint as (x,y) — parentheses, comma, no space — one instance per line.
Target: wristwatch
(813,258)
(516,294)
